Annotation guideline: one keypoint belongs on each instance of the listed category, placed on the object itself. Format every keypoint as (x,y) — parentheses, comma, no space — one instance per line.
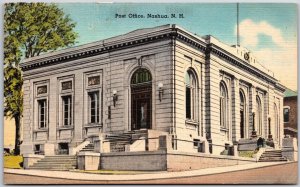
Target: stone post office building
(199,93)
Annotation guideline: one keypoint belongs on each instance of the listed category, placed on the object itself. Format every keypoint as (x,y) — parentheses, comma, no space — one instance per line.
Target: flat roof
(290,93)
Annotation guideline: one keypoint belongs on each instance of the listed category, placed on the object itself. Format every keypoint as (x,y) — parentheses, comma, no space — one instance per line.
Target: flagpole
(237,25)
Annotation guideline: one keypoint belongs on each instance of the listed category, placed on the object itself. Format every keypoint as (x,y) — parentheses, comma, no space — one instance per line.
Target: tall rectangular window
(286,113)
(42,113)
(94,107)
(188,103)
(67,110)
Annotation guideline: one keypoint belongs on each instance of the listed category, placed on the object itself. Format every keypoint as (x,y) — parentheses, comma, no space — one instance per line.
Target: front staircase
(118,141)
(272,156)
(88,148)
(69,162)
(58,163)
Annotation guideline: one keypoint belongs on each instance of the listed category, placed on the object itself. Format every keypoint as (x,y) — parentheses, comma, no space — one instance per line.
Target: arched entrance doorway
(141,99)
(242,115)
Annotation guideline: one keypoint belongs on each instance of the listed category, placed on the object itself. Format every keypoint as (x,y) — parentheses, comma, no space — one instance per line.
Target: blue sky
(268,30)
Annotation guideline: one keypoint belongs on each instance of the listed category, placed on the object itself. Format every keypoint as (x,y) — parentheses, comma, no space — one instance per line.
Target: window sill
(90,125)
(65,127)
(41,130)
(224,129)
(191,122)
(39,152)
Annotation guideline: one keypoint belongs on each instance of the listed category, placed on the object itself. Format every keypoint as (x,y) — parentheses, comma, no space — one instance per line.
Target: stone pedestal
(235,150)
(105,147)
(290,149)
(49,149)
(88,161)
(26,148)
(30,159)
(247,144)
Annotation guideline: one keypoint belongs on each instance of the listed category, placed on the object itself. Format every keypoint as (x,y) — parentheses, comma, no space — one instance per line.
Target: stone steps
(88,148)
(119,140)
(272,156)
(59,162)
(272,159)
(53,169)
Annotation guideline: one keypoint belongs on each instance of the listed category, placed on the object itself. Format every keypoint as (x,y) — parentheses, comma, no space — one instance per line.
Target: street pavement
(257,173)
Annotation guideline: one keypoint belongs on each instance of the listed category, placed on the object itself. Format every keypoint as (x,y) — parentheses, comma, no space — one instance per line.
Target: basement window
(196,143)
(63,148)
(39,149)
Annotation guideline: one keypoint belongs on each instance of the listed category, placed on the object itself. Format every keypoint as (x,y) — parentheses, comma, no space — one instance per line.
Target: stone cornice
(80,53)
(216,50)
(85,53)
(140,37)
(280,87)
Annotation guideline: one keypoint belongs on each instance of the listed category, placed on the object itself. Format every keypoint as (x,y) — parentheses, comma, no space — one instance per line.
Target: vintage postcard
(150,93)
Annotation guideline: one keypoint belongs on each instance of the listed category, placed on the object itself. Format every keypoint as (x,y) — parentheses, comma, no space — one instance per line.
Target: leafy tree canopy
(29,30)
(38,27)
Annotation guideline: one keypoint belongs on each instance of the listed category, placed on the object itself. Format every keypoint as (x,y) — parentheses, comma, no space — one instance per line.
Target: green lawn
(12,162)
(248,154)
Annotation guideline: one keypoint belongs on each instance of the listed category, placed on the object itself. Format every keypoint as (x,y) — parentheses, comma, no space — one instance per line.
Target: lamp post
(115,97)
(160,90)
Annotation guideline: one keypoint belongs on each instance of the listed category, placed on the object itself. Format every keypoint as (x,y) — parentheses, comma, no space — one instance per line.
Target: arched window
(141,76)
(223,106)
(190,95)
(259,115)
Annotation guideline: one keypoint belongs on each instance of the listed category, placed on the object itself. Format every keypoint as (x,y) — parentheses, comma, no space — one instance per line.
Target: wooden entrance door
(141,107)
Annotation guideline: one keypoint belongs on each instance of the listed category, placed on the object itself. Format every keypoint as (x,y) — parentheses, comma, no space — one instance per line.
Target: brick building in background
(290,113)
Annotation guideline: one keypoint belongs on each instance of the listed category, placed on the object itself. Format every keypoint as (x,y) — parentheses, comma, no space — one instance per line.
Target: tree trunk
(18,135)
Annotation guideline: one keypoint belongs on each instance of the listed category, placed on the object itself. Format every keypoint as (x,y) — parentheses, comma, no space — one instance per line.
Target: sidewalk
(144,176)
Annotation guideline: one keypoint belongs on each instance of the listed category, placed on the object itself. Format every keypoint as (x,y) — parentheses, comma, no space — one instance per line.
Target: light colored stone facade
(168,52)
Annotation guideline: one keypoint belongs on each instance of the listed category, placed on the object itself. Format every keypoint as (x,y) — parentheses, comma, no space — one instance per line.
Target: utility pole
(237,25)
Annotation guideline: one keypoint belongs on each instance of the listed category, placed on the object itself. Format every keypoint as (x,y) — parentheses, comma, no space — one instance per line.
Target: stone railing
(75,150)
(30,159)
(260,151)
(137,145)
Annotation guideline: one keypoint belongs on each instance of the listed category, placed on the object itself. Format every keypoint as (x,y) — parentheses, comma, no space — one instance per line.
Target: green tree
(30,29)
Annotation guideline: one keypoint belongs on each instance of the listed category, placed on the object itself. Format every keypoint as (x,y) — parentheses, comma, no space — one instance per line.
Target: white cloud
(282,62)
(281,59)
(249,32)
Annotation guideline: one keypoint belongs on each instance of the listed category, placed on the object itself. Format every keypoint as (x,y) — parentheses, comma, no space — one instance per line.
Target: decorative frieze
(66,85)
(41,89)
(94,80)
